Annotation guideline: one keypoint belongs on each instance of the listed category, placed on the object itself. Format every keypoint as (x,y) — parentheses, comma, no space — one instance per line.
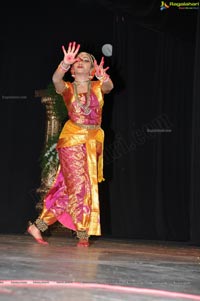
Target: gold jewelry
(103,78)
(83,235)
(41,225)
(64,66)
(88,126)
(84,107)
(81,82)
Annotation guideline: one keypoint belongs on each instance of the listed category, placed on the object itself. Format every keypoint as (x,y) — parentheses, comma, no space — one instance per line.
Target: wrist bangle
(104,78)
(99,77)
(64,67)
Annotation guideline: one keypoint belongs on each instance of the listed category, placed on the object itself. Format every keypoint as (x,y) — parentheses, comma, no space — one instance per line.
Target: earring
(92,72)
(72,72)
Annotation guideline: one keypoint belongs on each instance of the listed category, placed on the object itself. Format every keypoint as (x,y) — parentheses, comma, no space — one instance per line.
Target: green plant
(58,103)
(49,157)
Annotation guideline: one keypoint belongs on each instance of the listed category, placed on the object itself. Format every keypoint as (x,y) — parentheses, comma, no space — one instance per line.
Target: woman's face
(83,65)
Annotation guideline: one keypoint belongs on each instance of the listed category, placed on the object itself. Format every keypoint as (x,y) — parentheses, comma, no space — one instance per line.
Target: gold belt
(88,126)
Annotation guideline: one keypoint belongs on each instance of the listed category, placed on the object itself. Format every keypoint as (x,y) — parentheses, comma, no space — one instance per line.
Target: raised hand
(100,72)
(70,54)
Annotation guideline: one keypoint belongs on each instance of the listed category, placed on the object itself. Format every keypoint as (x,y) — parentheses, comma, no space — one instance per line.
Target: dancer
(73,199)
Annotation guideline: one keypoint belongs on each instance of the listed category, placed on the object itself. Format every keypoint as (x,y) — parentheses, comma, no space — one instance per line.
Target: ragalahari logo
(179,5)
(164,5)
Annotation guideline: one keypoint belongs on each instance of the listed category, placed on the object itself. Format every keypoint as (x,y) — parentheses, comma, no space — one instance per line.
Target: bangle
(64,67)
(104,78)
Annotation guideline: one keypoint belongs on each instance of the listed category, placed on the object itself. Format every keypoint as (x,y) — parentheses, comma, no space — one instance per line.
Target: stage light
(107,49)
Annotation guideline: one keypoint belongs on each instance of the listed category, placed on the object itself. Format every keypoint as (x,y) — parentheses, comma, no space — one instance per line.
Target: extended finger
(63,49)
(70,47)
(102,62)
(106,69)
(78,59)
(77,49)
(73,46)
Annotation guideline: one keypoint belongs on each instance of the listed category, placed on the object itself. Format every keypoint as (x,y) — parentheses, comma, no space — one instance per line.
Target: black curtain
(150,137)
(31,39)
(195,146)
(149,152)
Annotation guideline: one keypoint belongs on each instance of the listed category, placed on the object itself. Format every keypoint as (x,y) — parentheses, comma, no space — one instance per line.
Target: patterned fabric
(73,198)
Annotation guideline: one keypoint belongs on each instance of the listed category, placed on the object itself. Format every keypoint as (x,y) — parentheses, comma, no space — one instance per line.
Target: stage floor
(110,269)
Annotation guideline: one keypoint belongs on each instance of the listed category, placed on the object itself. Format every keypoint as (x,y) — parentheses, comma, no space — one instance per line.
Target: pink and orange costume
(73,198)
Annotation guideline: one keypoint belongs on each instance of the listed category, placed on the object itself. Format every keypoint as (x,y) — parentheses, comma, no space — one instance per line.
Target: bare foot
(83,243)
(35,232)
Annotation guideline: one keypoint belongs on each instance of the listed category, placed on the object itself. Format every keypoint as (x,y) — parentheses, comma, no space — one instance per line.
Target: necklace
(84,107)
(81,82)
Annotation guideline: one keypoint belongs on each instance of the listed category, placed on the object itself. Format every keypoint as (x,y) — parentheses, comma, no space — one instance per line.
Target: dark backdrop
(151,119)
